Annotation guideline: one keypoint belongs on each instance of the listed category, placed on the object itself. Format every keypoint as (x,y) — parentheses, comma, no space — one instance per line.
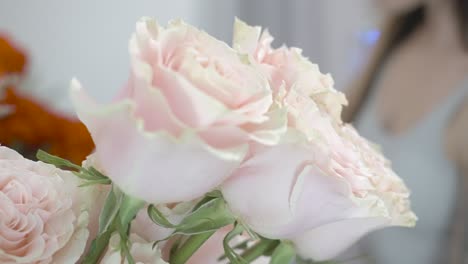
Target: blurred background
(88,39)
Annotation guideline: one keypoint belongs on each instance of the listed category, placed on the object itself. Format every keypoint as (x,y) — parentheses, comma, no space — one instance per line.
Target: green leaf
(83,175)
(283,253)
(54,160)
(229,252)
(203,201)
(158,218)
(189,247)
(94,182)
(209,217)
(91,176)
(241,246)
(175,246)
(109,210)
(95,173)
(261,248)
(117,213)
(200,224)
(98,246)
(108,223)
(303,261)
(129,208)
(126,251)
(124,242)
(252,234)
(214,194)
(208,197)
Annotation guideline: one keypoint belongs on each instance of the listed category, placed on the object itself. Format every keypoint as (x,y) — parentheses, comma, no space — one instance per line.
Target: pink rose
(330,181)
(43,217)
(181,124)
(288,69)
(321,191)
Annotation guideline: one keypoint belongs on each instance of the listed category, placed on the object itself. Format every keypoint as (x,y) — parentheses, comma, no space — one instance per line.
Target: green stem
(99,244)
(189,247)
(259,249)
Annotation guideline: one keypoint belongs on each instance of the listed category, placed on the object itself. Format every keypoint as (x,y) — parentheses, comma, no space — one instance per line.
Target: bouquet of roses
(208,154)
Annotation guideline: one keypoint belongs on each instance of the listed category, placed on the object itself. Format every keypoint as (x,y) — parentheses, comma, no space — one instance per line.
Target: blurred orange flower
(29,125)
(12,59)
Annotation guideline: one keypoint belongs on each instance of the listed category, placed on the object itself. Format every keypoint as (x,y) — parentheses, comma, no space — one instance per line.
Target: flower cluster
(43,213)
(213,153)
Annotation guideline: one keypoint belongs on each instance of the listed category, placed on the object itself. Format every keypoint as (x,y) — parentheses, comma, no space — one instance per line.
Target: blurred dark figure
(412,99)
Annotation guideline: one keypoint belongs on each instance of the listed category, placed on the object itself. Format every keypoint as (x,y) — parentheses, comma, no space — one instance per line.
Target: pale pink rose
(288,69)
(142,251)
(321,192)
(182,122)
(43,217)
(323,179)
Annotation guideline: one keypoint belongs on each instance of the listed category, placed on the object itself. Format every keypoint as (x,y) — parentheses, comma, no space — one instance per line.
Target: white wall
(88,38)
(344,23)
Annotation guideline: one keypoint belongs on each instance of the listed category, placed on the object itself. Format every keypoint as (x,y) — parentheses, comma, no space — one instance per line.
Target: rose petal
(327,241)
(245,38)
(155,167)
(293,195)
(150,103)
(187,102)
(9,154)
(71,252)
